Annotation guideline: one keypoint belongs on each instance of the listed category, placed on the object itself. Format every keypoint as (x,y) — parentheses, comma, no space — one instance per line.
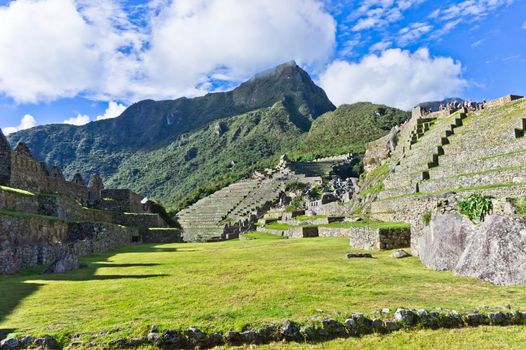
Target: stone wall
(161,235)
(501,101)
(376,153)
(122,200)
(140,220)
(369,238)
(5,160)
(302,232)
(29,241)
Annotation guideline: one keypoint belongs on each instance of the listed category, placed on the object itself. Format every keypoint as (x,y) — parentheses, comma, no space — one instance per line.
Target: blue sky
(82,60)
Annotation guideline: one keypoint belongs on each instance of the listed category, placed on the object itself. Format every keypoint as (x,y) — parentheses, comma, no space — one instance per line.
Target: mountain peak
(290,67)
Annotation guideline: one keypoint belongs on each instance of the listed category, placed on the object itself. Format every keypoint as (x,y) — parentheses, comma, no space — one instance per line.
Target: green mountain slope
(224,151)
(100,147)
(179,151)
(348,129)
(212,156)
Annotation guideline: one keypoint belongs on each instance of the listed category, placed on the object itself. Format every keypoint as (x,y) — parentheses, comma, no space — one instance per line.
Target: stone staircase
(463,154)
(233,209)
(424,150)
(520,131)
(204,220)
(313,169)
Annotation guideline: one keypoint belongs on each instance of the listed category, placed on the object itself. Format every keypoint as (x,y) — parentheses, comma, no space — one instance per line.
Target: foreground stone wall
(161,235)
(314,331)
(28,241)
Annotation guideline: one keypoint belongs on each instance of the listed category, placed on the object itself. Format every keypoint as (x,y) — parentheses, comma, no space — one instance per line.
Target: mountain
(179,151)
(148,125)
(348,129)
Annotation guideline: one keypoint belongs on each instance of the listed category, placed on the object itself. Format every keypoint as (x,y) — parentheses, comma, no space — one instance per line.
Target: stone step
(516,176)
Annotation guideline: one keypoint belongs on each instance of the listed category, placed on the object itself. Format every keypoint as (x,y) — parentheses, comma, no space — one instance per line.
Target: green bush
(426,218)
(295,186)
(476,207)
(519,204)
(295,204)
(315,192)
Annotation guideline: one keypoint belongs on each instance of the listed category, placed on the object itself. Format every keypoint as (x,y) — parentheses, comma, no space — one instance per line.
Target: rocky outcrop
(494,251)
(65,263)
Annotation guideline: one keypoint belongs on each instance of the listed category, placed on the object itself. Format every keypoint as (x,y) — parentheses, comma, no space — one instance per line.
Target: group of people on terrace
(467,104)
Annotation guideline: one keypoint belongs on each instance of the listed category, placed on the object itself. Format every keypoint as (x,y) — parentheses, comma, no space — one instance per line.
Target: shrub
(519,204)
(426,218)
(295,204)
(476,207)
(315,192)
(295,186)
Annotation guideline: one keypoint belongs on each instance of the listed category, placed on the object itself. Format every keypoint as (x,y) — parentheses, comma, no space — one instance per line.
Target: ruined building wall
(26,172)
(122,200)
(5,161)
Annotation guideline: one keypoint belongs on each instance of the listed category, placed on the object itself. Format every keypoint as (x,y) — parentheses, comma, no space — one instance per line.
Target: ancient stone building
(95,188)
(5,160)
(20,169)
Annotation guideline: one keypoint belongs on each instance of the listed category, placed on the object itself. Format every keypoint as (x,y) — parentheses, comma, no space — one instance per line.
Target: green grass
(308,218)
(278,226)
(16,190)
(229,285)
(262,235)
(504,154)
(23,214)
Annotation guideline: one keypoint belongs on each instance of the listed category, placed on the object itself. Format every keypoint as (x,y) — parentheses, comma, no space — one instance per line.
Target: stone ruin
(45,218)
(440,159)
(20,169)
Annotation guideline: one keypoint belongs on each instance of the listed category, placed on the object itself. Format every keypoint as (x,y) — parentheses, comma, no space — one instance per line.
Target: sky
(78,61)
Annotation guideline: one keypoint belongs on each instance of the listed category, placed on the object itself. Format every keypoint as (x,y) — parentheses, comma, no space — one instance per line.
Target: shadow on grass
(105,265)
(15,288)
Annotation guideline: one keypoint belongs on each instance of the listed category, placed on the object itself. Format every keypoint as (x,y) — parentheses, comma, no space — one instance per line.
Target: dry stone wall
(28,241)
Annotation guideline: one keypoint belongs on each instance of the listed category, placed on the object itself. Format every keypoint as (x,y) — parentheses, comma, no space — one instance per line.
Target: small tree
(476,207)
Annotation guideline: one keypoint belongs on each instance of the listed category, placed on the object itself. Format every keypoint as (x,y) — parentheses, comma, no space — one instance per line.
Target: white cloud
(378,13)
(114,110)
(62,48)
(395,77)
(414,32)
(194,39)
(524,25)
(28,121)
(78,120)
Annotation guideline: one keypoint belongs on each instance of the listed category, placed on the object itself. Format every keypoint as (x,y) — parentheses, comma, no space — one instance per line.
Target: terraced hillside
(235,208)
(443,156)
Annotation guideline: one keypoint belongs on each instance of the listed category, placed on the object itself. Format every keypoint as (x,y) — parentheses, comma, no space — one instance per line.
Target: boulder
(47,343)
(442,245)
(399,254)
(358,255)
(9,343)
(497,253)
(65,263)
(494,251)
(406,317)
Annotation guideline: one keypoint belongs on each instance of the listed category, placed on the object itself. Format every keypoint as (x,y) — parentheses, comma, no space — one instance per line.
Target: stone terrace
(480,152)
(235,208)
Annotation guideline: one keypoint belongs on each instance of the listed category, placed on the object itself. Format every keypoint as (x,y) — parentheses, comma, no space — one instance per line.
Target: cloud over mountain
(63,48)
(394,77)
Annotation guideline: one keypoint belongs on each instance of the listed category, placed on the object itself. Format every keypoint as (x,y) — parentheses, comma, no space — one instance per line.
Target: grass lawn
(229,285)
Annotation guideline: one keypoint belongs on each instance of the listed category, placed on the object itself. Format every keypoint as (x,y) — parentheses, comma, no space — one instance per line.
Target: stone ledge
(355,325)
